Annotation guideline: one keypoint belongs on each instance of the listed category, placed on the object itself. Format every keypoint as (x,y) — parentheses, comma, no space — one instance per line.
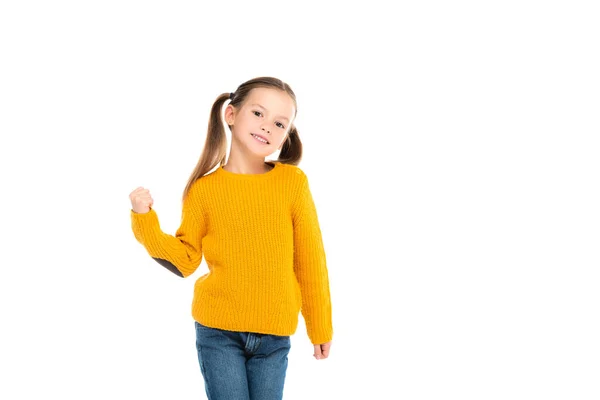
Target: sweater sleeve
(310,267)
(180,253)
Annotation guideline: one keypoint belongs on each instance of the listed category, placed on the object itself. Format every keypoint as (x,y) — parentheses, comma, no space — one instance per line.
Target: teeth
(259,138)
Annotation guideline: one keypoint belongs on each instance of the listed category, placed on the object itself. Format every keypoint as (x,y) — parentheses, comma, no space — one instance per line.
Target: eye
(258,113)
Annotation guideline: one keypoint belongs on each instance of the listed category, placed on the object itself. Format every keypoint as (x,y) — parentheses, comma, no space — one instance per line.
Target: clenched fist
(141,201)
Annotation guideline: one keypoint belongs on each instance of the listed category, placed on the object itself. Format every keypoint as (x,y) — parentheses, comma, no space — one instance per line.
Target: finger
(317,354)
(135,194)
(137,189)
(143,195)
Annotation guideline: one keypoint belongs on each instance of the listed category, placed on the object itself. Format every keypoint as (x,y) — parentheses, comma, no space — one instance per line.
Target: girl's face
(266,114)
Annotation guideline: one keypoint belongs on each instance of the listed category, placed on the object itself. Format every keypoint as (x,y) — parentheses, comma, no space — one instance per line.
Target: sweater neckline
(276,165)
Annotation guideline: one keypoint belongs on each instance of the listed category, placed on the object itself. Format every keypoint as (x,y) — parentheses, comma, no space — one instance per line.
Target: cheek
(247,121)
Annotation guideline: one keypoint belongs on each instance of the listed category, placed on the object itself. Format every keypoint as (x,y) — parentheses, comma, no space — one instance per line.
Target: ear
(229,114)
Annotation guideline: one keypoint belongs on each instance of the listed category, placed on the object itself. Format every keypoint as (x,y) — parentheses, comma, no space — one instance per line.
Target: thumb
(325,351)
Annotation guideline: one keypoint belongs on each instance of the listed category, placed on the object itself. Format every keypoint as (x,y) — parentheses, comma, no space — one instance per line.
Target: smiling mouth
(260,139)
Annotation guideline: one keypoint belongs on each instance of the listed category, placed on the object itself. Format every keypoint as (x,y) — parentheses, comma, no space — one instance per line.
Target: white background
(451,149)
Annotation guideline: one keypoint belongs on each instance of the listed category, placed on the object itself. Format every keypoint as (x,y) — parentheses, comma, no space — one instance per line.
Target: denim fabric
(242,365)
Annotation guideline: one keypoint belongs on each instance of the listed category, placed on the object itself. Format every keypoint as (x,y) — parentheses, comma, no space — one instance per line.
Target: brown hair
(215,147)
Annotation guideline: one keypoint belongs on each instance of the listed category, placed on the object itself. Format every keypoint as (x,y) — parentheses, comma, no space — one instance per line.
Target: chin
(260,150)
(264,154)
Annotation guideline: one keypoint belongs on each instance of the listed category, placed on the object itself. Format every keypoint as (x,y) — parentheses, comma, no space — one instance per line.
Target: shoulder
(297,182)
(293,172)
(205,183)
(200,188)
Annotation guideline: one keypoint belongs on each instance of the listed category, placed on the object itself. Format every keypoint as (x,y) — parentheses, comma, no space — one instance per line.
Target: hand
(322,350)
(141,201)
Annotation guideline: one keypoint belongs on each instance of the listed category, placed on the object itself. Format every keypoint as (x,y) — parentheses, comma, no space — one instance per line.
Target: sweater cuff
(322,332)
(144,224)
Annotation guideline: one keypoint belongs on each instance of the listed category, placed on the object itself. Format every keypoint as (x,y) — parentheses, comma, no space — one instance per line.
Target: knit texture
(260,237)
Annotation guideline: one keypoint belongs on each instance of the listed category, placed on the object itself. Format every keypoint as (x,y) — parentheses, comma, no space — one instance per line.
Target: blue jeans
(242,365)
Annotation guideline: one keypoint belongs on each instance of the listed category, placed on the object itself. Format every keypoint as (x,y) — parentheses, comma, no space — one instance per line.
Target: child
(256,225)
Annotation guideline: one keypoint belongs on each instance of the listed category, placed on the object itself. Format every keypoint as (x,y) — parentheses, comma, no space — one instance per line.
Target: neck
(245,167)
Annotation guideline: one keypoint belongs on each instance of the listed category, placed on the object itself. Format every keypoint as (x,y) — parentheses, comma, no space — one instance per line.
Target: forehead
(275,101)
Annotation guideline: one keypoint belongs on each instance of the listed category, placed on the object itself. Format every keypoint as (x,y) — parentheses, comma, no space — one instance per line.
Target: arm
(182,253)
(310,267)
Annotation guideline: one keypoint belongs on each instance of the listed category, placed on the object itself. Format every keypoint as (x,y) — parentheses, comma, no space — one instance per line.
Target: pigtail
(291,150)
(215,146)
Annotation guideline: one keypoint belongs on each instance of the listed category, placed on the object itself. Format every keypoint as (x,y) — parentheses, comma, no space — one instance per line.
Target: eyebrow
(279,116)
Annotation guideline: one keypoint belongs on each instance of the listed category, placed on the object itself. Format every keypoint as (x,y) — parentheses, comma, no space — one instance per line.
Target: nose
(266,130)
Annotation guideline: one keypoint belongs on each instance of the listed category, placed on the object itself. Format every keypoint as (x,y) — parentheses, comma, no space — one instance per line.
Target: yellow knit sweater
(261,240)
